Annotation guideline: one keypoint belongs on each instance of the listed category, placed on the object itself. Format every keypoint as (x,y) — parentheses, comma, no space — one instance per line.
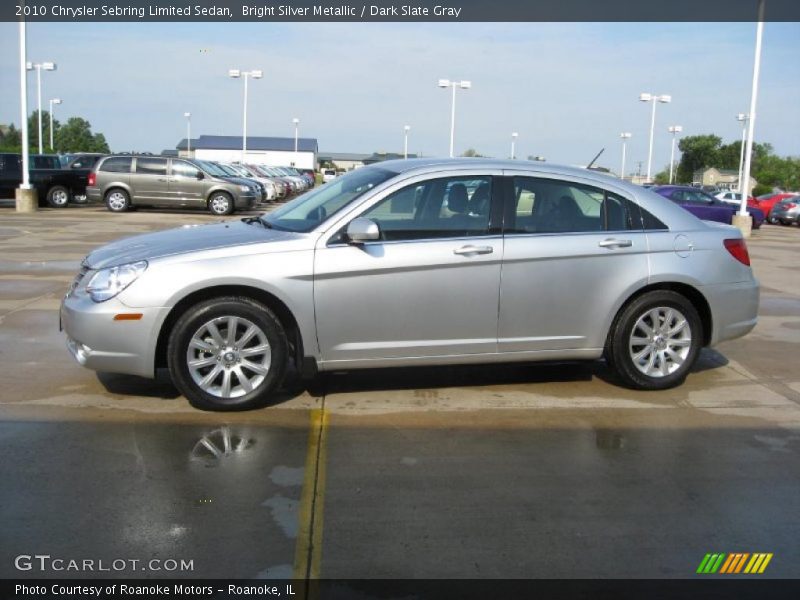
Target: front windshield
(310,209)
(212,169)
(228,169)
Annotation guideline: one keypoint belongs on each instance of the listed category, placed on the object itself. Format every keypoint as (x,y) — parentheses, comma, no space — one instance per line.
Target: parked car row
(786,211)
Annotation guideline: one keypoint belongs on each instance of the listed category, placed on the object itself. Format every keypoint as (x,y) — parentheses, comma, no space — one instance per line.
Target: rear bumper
(93,194)
(734,309)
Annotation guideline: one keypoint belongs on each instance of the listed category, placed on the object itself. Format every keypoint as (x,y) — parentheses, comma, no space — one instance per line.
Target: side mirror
(200,175)
(362,230)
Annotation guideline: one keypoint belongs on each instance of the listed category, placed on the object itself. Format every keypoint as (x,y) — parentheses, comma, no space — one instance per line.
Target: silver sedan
(417,262)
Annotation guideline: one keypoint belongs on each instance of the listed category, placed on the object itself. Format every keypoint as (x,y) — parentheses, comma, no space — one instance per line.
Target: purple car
(704,206)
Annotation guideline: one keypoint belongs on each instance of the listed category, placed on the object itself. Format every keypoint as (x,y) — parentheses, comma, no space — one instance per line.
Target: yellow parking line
(308,551)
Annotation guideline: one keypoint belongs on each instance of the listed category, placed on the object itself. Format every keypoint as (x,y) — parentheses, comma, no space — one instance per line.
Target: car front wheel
(655,340)
(220,204)
(227,354)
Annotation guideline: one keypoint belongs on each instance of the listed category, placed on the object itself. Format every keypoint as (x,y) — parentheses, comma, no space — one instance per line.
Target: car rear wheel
(655,340)
(118,201)
(220,204)
(227,354)
(58,196)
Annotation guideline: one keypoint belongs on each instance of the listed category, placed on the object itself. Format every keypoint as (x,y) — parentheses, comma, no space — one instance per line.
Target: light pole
(52,102)
(23,106)
(748,153)
(742,118)
(514,137)
(47,66)
(645,97)
(624,136)
(674,130)
(464,85)
(188,116)
(296,122)
(235,74)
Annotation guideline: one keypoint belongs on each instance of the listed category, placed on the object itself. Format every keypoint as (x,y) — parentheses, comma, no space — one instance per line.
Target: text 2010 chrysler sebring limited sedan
(417,262)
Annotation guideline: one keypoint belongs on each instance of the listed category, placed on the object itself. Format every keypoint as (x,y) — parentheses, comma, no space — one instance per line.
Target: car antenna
(589,166)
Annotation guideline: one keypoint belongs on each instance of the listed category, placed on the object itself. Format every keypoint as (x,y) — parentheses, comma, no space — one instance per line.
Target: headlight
(244,188)
(107,283)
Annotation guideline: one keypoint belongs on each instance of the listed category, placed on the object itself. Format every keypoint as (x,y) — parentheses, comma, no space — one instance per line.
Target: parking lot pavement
(501,471)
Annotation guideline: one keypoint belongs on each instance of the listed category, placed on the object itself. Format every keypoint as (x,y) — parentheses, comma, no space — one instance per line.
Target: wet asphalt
(471,472)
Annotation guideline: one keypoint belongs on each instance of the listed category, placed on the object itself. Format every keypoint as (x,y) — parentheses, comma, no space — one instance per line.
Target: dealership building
(272,151)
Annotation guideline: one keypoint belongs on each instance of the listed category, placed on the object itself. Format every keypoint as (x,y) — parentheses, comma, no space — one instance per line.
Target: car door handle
(467,250)
(163,179)
(612,243)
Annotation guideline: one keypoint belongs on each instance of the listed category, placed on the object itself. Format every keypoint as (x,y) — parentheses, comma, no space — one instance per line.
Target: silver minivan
(124,181)
(417,262)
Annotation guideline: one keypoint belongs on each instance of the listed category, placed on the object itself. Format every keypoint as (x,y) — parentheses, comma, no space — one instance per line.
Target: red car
(767,201)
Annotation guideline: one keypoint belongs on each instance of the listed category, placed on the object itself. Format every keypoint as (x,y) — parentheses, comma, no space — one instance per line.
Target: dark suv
(122,181)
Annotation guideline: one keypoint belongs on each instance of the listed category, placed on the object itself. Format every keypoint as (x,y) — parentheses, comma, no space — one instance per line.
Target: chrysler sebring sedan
(417,262)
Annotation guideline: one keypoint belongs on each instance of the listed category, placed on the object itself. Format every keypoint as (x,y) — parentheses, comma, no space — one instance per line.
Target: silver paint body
(520,298)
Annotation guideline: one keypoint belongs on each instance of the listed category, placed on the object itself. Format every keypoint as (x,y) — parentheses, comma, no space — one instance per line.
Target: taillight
(790,205)
(738,250)
(92,179)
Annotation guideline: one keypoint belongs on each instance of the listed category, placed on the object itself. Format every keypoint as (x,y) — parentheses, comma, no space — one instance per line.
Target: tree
(76,136)
(33,131)
(10,139)
(662,178)
(698,152)
(472,153)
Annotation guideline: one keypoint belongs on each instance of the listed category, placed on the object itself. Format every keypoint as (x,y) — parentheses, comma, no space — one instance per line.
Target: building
(343,161)
(381,156)
(726,179)
(271,151)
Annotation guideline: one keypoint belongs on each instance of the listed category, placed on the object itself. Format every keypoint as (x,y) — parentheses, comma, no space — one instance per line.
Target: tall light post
(514,137)
(674,130)
(624,136)
(296,122)
(742,118)
(748,153)
(47,66)
(664,99)
(188,116)
(236,74)
(23,107)
(464,85)
(52,102)
(406,129)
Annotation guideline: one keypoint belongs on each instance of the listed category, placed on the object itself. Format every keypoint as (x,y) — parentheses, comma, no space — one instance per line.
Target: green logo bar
(711,563)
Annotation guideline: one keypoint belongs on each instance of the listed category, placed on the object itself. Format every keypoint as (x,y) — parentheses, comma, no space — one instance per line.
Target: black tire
(225,360)
(220,204)
(621,353)
(772,220)
(118,200)
(58,196)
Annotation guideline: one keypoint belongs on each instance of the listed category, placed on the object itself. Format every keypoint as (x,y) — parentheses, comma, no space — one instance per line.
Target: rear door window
(151,166)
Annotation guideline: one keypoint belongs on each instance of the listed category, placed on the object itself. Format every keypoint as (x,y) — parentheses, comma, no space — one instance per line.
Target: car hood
(189,238)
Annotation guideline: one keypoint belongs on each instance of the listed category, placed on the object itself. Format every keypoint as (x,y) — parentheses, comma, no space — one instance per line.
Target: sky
(567,89)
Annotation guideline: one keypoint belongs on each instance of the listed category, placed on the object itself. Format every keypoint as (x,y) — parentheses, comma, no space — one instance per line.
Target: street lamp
(235,74)
(624,136)
(743,118)
(296,122)
(464,85)
(514,137)
(47,66)
(664,99)
(406,129)
(751,122)
(674,130)
(52,102)
(188,116)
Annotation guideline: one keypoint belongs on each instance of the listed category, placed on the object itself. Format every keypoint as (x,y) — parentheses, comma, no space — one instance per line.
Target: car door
(187,185)
(573,252)
(149,180)
(428,288)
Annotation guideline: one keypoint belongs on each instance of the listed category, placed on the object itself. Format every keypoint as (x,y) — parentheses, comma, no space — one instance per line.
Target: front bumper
(99,342)
(245,200)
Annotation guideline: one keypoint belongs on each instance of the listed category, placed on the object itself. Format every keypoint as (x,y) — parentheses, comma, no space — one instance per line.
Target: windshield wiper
(259,220)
